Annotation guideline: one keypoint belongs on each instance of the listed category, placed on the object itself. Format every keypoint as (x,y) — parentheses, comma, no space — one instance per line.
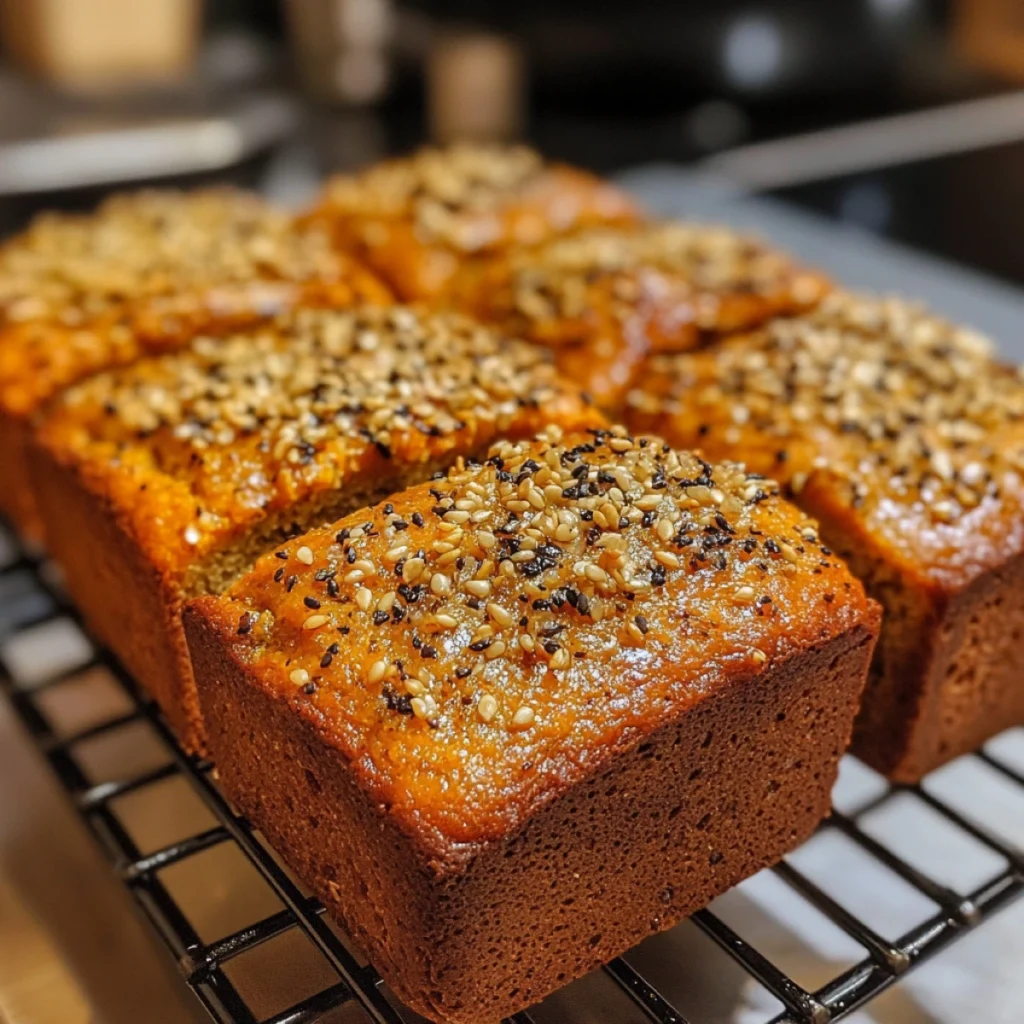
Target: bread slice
(145,273)
(606,297)
(905,439)
(415,220)
(167,479)
(512,721)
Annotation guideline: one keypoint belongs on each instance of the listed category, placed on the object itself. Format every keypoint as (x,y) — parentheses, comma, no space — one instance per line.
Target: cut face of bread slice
(167,479)
(905,438)
(528,713)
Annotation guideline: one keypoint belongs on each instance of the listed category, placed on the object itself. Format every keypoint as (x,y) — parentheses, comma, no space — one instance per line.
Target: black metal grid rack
(202,964)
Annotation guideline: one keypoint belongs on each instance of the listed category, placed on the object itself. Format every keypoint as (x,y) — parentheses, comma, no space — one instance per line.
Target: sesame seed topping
(304,555)
(487,707)
(523,718)
(900,407)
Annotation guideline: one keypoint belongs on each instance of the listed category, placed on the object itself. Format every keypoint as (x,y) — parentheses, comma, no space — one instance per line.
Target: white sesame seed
(305,555)
(500,615)
(412,569)
(440,584)
(377,670)
(487,707)
(478,588)
(192,535)
(314,622)
(299,676)
(523,718)
(364,598)
(495,650)
(420,708)
(667,558)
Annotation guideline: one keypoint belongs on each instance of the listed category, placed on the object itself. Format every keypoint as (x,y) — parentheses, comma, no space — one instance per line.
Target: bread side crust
(946,675)
(669,822)
(17,501)
(126,601)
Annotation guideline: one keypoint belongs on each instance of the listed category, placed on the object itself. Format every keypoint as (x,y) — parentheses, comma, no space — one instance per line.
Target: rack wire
(202,964)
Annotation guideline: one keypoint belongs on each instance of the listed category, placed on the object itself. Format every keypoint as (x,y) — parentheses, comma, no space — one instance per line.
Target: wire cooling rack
(33,613)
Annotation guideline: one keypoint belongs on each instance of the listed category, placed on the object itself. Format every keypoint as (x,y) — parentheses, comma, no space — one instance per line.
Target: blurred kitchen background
(904,117)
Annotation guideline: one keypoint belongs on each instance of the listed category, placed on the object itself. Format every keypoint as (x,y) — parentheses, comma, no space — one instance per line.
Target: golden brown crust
(413,220)
(145,274)
(438,652)
(905,439)
(202,459)
(607,297)
(421,775)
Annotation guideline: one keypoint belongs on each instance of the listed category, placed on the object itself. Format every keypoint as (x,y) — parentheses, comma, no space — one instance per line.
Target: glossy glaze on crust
(202,445)
(414,219)
(453,644)
(145,274)
(606,297)
(903,436)
(148,271)
(904,419)
(187,467)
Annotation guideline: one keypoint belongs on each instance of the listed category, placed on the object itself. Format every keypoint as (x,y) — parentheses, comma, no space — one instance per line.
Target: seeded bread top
(610,295)
(475,644)
(146,272)
(198,446)
(724,275)
(71,268)
(907,419)
(416,217)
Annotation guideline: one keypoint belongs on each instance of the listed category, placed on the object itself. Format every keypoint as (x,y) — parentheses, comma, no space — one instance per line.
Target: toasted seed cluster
(543,555)
(705,260)
(288,410)
(316,376)
(911,405)
(439,187)
(74,267)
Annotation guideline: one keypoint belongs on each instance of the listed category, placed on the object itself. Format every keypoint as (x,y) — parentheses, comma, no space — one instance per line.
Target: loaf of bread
(905,439)
(511,721)
(416,219)
(606,297)
(168,478)
(145,272)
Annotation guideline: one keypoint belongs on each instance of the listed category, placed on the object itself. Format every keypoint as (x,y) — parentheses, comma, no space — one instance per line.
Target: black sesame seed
(311,602)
